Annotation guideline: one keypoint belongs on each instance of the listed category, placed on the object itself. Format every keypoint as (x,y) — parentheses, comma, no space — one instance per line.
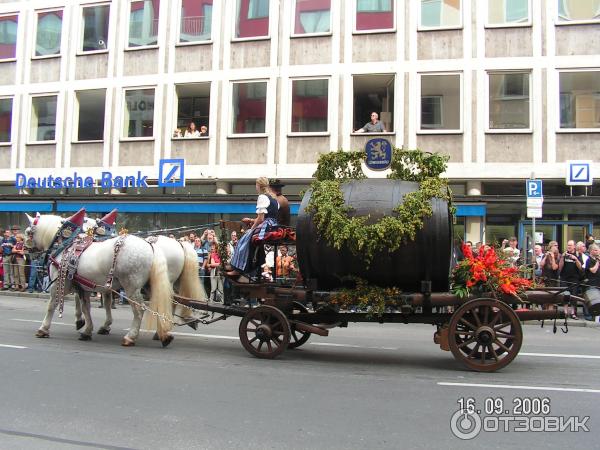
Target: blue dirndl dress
(243,256)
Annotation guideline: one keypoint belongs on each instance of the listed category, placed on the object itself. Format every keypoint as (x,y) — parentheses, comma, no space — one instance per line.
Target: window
(579,99)
(143,23)
(509,101)
(374,15)
(252,19)
(578,10)
(5,119)
(508,12)
(309,106)
(8,37)
(440,102)
(249,107)
(193,105)
(441,14)
(48,35)
(312,17)
(139,113)
(196,20)
(95,28)
(43,118)
(91,114)
(374,93)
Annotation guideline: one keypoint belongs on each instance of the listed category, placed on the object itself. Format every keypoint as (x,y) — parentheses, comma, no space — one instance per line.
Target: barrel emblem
(379,154)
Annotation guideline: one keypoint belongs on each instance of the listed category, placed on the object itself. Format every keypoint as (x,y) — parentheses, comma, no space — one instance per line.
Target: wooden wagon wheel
(265,332)
(298,337)
(485,334)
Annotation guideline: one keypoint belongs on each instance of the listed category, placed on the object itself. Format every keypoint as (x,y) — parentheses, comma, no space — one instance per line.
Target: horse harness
(67,266)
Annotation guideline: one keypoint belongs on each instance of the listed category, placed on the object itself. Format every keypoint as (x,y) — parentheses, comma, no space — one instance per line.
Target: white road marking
(40,322)
(12,346)
(559,355)
(527,388)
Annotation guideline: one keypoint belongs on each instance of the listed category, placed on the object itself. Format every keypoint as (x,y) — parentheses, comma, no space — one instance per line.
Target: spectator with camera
(571,270)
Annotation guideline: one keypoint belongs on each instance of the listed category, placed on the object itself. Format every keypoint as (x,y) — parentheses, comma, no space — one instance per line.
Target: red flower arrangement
(486,272)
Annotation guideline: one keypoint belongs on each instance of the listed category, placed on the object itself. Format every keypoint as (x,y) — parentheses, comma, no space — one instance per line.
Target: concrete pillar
(222,188)
(473,229)
(473,187)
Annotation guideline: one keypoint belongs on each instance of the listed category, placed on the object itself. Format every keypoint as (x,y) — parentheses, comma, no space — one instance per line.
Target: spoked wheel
(298,337)
(485,334)
(265,332)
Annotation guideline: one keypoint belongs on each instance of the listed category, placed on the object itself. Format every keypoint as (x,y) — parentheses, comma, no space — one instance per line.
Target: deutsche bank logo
(579,173)
(171,173)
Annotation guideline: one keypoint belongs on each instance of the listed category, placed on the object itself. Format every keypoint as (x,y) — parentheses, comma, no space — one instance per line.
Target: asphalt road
(365,387)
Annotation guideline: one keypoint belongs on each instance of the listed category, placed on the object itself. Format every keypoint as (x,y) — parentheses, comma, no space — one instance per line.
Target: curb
(42,295)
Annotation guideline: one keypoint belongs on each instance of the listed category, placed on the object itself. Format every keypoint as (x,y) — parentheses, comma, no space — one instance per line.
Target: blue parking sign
(533,188)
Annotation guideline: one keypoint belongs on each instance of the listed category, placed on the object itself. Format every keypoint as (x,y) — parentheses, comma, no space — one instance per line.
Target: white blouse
(262,203)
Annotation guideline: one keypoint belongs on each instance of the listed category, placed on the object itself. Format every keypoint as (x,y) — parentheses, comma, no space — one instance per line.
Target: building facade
(506,88)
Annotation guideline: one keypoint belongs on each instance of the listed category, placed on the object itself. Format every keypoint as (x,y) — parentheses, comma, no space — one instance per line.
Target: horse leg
(86,334)
(107,300)
(138,313)
(79,322)
(44,330)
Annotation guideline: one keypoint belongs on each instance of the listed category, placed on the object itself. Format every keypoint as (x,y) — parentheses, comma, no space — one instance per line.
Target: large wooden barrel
(427,258)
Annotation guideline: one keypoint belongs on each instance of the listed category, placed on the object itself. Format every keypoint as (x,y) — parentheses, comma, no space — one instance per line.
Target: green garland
(330,214)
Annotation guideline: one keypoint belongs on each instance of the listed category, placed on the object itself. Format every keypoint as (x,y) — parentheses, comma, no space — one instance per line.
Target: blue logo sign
(533,188)
(579,173)
(379,154)
(171,173)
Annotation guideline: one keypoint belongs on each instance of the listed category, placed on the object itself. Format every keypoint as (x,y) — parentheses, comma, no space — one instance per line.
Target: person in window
(374,126)
(203,130)
(243,260)
(191,131)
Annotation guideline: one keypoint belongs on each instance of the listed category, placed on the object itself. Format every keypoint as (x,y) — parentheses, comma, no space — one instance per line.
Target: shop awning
(470,210)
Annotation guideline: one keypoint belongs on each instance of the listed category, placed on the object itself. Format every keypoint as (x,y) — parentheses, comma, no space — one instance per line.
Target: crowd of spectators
(21,267)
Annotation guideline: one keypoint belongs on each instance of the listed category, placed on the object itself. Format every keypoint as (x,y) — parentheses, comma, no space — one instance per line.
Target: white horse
(138,265)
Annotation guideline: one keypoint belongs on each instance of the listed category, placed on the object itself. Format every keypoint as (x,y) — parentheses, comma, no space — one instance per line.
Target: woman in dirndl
(243,260)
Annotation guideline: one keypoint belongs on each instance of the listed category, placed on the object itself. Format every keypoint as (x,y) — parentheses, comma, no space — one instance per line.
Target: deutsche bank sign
(171,174)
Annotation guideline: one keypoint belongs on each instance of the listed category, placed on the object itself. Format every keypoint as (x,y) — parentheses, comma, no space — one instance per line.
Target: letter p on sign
(534,188)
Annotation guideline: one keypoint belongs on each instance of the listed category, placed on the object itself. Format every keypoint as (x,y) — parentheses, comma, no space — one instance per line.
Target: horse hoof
(42,334)
(104,331)
(84,337)
(79,324)
(126,342)
(166,341)
(155,337)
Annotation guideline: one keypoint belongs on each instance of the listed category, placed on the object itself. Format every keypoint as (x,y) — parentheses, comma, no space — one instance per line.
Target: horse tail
(161,293)
(189,280)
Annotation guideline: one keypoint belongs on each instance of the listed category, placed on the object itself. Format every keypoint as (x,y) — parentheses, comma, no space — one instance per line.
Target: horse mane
(46,229)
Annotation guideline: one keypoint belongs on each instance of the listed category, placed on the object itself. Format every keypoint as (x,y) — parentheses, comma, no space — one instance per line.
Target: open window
(143,23)
(440,102)
(43,118)
(509,98)
(48,33)
(310,106)
(312,17)
(374,93)
(91,106)
(8,36)
(193,107)
(138,113)
(95,28)
(196,21)
(249,107)
(252,19)
(580,100)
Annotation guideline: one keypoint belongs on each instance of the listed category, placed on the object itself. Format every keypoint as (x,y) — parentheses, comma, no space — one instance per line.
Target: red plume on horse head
(77,218)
